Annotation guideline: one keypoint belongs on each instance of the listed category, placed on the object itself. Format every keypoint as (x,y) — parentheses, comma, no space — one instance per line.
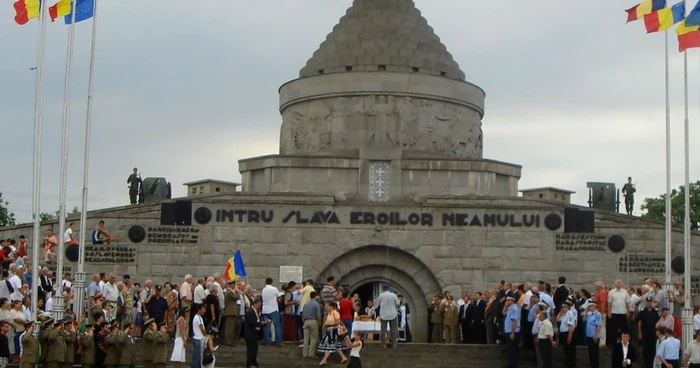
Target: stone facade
(432,245)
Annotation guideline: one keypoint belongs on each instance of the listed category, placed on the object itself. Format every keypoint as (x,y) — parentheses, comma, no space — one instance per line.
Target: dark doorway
(366,292)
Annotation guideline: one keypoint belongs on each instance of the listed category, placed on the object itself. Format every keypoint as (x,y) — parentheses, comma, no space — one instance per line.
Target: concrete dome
(383,35)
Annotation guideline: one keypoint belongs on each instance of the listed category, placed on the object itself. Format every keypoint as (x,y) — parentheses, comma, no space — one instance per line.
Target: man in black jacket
(560,295)
(253,325)
(624,354)
(478,319)
(466,312)
(134,181)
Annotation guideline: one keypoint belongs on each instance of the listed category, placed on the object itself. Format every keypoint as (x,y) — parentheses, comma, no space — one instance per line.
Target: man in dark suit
(253,325)
(624,354)
(560,294)
(465,319)
(477,325)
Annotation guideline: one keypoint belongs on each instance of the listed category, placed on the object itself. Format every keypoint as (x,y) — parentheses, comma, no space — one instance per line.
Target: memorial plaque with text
(173,235)
(643,263)
(119,254)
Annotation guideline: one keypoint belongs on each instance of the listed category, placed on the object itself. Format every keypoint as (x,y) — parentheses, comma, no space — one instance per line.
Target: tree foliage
(656,207)
(7,218)
(47,216)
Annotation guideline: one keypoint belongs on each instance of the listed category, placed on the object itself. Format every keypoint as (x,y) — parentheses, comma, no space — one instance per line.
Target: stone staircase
(406,355)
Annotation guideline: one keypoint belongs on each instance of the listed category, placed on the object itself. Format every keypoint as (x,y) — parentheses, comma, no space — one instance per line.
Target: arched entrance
(406,274)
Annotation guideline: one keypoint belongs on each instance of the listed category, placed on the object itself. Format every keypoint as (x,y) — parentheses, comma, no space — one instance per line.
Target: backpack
(9,286)
(207,356)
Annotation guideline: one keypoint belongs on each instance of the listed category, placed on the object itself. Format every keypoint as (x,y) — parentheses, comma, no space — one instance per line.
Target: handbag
(207,356)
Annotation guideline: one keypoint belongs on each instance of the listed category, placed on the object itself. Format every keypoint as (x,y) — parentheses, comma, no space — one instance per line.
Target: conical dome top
(383,35)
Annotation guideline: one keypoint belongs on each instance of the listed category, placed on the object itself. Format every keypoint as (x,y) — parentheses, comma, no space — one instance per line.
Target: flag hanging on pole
(693,19)
(26,10)
(665,18)
(60,9)
(235,267)
(688,37)
(84,10)
(638,11)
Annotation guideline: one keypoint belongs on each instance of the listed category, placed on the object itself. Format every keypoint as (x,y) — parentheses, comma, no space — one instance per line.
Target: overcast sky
(184,91)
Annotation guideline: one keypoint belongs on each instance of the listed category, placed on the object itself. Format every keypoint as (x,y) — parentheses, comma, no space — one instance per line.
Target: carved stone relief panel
(379,180)
(381,121)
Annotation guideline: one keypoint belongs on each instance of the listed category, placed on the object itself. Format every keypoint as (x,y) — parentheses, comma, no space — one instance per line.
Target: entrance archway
(406,274)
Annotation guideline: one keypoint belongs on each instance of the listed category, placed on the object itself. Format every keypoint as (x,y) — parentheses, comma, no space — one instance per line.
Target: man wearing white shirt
(16,283)
(692,354)
(103,279)
(111,294)
(619,303)
(270,310)
(68,235)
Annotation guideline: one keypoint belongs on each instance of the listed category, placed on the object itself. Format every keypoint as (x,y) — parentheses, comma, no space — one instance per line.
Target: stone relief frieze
(381,121)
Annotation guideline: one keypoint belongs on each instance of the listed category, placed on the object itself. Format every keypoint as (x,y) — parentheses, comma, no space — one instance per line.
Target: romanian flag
(234,267)
(60,9)
(688,37)
(84,10)
(693,19)
(638,11)
(665,18)
(26,10)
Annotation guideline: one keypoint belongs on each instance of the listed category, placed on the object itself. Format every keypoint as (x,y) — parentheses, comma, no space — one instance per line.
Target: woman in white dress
(179,354)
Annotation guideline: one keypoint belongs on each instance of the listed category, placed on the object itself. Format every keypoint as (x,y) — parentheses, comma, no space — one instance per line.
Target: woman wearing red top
(347,309)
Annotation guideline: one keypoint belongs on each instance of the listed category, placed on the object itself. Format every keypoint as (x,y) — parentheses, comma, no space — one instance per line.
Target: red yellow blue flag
(693,19)
(665,18)
(638,11)
(234,267)
(688,37)
(60,9)
(25,10)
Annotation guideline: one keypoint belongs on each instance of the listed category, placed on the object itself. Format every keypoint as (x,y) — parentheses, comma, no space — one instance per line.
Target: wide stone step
(406,355)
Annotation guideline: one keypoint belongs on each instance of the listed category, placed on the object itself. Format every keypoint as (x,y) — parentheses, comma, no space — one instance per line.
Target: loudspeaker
(586,221)
(167,213)
(183,213)
(571,220)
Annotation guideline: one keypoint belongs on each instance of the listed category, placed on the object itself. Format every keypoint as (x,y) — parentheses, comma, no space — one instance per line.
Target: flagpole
(36,185)
(58,294)
(80,275)
(687,308)
(668,239)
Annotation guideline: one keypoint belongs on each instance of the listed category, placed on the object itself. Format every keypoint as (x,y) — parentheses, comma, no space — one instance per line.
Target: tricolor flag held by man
(693,19)
(60,9)
(665,18)
(235,267)
(84,10)
(688,37)
(26,10)
(638,11)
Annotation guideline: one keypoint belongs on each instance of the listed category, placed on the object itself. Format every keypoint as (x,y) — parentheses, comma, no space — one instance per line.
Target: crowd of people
(207,311)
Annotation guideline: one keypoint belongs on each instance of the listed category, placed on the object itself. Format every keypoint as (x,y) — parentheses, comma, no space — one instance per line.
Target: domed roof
(383,35)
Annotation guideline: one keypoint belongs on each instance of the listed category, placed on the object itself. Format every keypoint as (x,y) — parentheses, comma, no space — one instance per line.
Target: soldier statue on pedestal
(628,190)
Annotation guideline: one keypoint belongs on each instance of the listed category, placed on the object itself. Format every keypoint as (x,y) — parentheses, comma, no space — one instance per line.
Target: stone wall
(421,248)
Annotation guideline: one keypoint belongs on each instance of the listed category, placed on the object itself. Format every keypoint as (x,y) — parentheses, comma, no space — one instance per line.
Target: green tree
(47,216)
(7,218)
(656,207)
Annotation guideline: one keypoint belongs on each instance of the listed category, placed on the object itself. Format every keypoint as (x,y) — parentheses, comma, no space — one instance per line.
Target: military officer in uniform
(160,347)
(113,350)
(149,343)
(87,347)
(231,313)
(450,314)
(69,336)
(30,347)
(646,328)
(128,349)
(57,347)
(44,340)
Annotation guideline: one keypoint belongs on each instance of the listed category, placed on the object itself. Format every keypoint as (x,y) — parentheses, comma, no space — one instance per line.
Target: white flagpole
(687,313)
(80,275)
(668,285)
(58,294)
(36,185)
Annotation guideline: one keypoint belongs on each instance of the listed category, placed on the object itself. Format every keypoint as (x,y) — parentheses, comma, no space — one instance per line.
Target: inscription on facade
(580,242)
(424,219)
(695,284)
(173,235)
(643,263)
(120,254)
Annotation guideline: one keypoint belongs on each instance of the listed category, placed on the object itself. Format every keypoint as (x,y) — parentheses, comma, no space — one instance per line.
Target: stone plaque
(173,235)
(379,181)
(292,273)
(118,254)
(581,242)
(643,263)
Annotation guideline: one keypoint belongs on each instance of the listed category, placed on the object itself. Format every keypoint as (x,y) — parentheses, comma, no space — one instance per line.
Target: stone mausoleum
(380,178)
